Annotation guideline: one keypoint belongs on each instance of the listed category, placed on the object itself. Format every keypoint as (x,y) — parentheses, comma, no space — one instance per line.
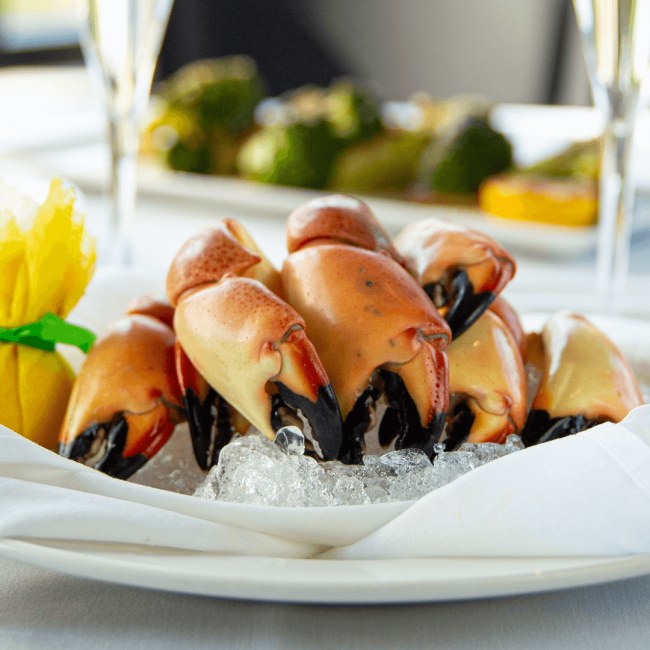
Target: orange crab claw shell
(341,218)
(147,305)
(432,247)
(189,378)
(486,369)
(584,372)
(237,333)
(126,399)
(206,258)
(362,310)
(511,320)
(264,271)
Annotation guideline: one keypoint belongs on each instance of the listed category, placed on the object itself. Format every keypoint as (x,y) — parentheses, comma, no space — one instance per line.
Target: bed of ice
(255,470)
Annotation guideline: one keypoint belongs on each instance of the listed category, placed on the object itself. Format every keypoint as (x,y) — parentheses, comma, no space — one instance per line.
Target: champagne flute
(121,40)
(616,44)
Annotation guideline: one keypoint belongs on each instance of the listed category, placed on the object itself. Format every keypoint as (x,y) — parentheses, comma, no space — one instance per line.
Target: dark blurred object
(461,161)
(287,53)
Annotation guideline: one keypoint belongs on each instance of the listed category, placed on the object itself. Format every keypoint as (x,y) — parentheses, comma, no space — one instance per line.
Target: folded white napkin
(584,495)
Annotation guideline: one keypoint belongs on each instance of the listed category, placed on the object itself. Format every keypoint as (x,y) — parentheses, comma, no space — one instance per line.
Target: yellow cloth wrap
(46,262)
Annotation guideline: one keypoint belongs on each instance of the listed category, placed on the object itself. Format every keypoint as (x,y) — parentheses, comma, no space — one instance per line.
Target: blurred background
(522,51)
(519,60)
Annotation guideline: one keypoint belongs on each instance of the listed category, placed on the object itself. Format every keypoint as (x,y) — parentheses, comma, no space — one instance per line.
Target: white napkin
(584,495)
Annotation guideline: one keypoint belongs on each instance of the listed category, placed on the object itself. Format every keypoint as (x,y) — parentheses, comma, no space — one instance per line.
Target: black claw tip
(210,426)
(112,462)
(541,427)
(459,426)
(355,427)
(410,432)
(323,416)
(467,307)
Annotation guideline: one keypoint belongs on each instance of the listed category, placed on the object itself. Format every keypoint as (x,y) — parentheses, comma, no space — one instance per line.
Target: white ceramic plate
(321,581)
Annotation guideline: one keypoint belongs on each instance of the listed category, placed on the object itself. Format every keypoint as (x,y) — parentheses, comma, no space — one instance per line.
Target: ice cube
(291,440)
(252,469)
(406,460)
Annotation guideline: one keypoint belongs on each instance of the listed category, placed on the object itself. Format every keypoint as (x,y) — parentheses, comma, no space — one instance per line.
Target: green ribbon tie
(46,332)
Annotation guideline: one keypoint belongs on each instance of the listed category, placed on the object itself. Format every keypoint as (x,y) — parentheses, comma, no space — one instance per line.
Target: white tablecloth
(40,609)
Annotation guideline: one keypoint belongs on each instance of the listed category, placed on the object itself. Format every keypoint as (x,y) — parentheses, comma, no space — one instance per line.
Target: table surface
(43,609)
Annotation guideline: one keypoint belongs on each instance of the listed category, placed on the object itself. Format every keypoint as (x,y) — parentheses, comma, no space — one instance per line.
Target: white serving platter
(321,581)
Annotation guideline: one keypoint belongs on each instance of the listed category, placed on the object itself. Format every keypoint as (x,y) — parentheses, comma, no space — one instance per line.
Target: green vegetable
(353,112)
(299,155)
(461,162)
(387,162)
(183,158)
(580,160)
(223,92)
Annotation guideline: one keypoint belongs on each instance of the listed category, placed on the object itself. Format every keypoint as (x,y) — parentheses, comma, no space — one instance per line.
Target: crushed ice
(254,470)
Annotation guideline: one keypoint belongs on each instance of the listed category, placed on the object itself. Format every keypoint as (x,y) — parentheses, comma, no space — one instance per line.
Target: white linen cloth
(585,495)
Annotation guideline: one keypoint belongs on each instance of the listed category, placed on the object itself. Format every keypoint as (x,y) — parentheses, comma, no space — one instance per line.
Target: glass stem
(616,206)
(123,134)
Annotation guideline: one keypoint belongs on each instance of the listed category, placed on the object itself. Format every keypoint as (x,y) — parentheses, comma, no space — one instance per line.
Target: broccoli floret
(460,163)
(182,158)
(223,92)
(312,127)
(300,155)
(353,112)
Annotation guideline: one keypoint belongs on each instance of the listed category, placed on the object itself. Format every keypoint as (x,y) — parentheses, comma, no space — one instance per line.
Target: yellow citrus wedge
(567,202)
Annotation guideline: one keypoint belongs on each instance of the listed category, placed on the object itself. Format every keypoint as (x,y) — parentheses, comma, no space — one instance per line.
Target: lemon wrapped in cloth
(46,261)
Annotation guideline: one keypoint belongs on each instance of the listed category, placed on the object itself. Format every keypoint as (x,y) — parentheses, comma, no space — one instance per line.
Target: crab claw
(249,344)
(585,380)
(148,305)
(126,400)
(461,270)
(377,334)
(212,421)
(487,384)
(341,219)
(511,320)
(263,271)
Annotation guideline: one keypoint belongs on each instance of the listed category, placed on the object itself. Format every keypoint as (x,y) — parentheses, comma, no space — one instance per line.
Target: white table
(43,609)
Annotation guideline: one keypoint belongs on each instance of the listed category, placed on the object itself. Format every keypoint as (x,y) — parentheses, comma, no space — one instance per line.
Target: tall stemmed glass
(616,45)
(121,41)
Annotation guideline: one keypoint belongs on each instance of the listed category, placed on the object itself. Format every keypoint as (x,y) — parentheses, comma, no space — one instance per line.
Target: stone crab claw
(212,420)
(487,384)
(461,270)
(585,380)
(379,337)
(248,343)
(126,400)
(511,320)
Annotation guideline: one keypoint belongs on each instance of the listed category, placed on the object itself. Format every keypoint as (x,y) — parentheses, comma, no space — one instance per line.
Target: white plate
(277,202)
(321,581)
(336,581)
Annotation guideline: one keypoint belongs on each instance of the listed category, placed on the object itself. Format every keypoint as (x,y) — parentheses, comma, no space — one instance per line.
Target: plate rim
(122,567)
